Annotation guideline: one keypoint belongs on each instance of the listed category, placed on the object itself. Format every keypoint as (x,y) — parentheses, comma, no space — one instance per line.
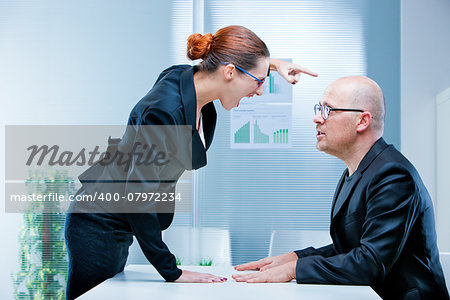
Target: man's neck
(354,157)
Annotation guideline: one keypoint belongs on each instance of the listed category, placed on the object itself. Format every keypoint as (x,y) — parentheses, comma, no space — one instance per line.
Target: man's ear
(229,72)
(364,121)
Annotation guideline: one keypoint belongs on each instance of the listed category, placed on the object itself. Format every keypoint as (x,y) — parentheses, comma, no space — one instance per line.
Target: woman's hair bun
(198,45)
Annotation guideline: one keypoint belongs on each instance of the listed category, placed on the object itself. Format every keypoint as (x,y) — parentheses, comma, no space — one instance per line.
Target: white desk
(143,282)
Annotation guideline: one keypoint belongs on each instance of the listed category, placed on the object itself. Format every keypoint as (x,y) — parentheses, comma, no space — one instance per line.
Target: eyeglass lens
(325,110)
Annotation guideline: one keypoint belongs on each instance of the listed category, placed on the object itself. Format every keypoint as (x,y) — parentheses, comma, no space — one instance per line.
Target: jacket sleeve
(391,210)
(148,233)
(325,251)
(144,178)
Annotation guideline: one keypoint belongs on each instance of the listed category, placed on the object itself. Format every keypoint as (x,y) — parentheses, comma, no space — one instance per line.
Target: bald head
(363,93)
(355,121)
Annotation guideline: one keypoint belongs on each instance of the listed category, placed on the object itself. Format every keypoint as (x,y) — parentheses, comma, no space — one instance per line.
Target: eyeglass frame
(260,82)
(330,109)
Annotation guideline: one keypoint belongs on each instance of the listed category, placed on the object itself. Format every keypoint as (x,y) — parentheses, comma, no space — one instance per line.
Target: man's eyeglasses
(260,82)
(325,110)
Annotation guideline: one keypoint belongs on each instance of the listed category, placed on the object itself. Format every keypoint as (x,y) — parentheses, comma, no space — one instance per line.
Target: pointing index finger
(309,72)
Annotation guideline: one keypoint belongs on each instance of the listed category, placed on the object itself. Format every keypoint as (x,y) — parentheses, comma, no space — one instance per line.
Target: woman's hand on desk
(196,277)
(268,262)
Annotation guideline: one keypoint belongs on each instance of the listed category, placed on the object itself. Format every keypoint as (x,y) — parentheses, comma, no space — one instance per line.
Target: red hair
(232,44)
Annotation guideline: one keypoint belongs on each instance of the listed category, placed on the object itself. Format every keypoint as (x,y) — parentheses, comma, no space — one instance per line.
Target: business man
(382,222)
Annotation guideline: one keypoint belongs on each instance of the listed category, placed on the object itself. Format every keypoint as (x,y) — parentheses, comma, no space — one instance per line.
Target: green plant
(202,262)
(43,258)
(205,262)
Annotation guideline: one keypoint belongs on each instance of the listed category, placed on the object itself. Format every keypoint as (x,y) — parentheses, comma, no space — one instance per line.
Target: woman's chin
(230,107)
(227,108)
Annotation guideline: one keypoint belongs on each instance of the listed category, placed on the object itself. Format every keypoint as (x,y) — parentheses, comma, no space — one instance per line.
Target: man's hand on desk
(196,277)
(268,262)
(281,273)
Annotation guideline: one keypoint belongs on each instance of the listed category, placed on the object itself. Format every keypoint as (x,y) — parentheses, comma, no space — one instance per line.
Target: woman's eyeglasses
(260,81)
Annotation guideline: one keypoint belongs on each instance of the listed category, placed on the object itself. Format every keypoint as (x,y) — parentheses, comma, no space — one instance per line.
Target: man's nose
(318,119)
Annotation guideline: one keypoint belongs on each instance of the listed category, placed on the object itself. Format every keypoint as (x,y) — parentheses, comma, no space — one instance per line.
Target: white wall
(425,71)
(76,62)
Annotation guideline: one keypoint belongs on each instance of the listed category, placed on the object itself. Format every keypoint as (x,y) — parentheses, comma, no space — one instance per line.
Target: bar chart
(281,136)
(261,126)
(242,135)
(273,88)
(258,136)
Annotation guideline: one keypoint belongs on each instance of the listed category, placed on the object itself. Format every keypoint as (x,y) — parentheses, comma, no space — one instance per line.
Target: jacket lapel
(188,96)
(374,151)
(189,99)
(339,201)
(336,193)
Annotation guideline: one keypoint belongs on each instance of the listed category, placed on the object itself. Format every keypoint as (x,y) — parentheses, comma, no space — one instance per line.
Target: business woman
(235,63)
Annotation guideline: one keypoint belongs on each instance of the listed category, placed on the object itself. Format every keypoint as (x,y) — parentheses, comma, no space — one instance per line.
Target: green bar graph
(259,137)
(273,88)
(242,135)
(281,136)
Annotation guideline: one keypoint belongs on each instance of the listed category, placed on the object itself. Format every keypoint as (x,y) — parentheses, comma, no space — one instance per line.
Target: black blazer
(171,101)
(383,233)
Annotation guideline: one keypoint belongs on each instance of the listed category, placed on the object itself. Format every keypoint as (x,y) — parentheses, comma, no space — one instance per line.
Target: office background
(89,62)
